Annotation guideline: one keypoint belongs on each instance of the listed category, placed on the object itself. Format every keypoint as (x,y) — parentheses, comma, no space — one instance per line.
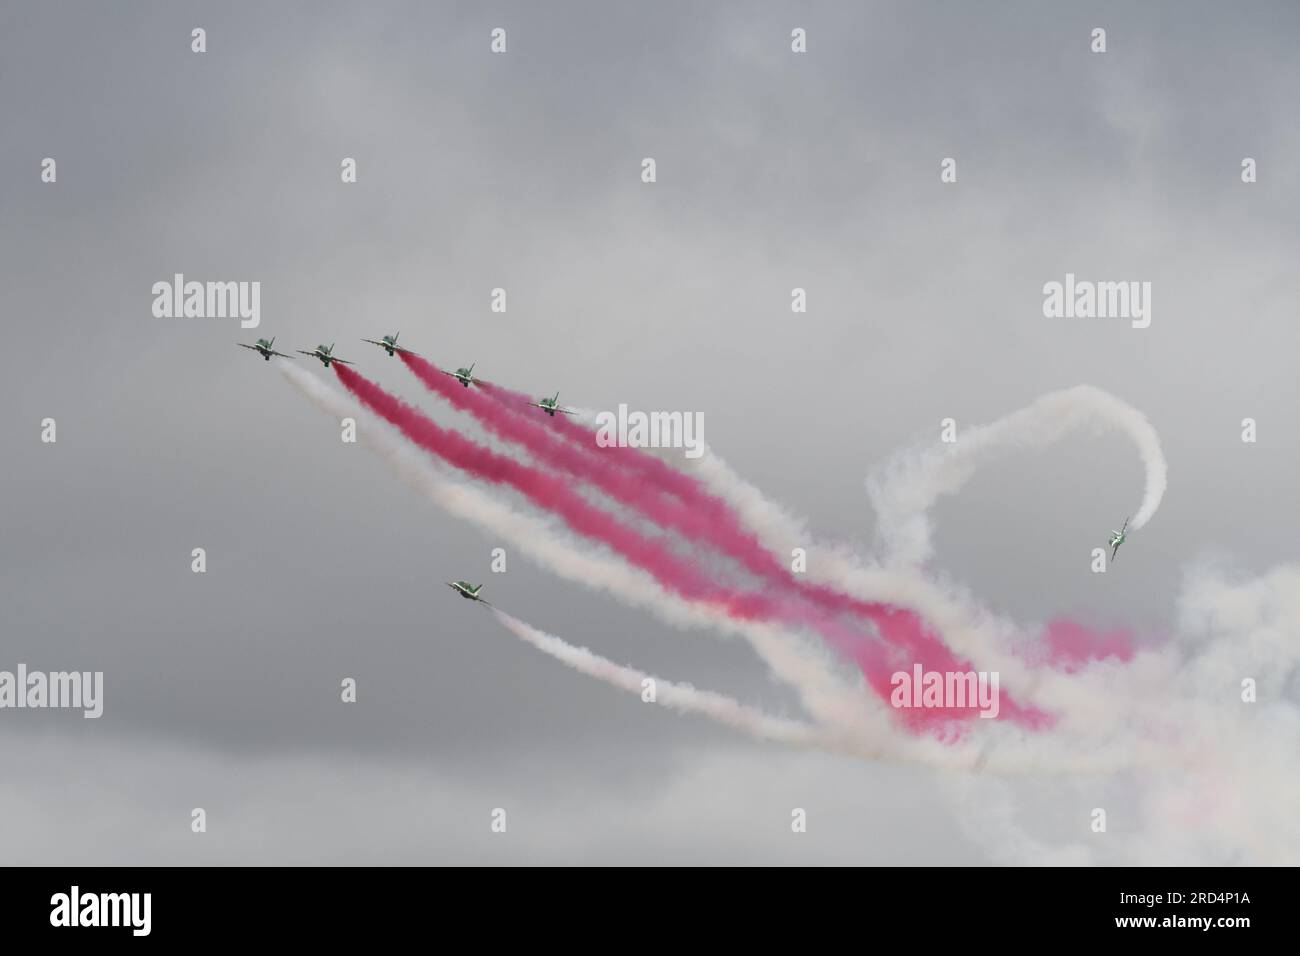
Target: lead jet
(326,355)
(463,375)
(466,590)
(263,348)
(1117,538)
(389,344)
(552,405)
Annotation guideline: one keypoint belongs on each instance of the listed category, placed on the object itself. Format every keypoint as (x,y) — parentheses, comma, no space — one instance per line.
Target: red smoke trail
(697,514)
(552,494)
(636,479)
(542,489)
(632,478)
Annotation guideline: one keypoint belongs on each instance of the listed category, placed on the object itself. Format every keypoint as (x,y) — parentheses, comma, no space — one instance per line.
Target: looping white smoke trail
(904,491)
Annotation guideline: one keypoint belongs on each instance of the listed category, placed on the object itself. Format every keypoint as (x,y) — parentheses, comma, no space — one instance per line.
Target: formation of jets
(265,348)
(389,344)
(552,405)
(325,354)
(463,375)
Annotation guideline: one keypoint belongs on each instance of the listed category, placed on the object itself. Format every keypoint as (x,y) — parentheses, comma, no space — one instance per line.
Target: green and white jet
(389,344)
(326,355)
(463,375)
(552,405)
(263,348)
(467,590)
(1117,538)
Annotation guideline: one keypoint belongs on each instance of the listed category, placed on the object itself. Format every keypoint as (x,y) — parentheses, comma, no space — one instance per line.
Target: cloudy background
(522,171)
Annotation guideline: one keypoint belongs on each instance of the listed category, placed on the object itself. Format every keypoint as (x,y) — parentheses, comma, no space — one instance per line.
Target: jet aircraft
(326,355)
(552,405)
(263,348)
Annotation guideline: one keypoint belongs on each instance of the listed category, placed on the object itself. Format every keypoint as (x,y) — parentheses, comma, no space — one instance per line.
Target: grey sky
(522,171)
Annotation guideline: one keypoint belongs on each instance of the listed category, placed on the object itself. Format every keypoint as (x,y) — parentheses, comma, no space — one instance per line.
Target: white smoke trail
(680,697)
(886,744)
(906,489)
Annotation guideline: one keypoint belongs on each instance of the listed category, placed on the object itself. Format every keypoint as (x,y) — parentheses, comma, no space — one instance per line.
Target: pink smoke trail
(695,514)
(698,514)
(674,574)
(634,478)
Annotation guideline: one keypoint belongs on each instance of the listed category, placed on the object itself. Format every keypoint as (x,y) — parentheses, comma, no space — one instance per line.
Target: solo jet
(326,355)
(466,590)
(1117,538)
(463,375)
(552,405)
(263,348)
(389,344)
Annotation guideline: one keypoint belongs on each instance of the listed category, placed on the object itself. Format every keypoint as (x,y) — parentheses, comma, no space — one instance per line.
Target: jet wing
(567,411)
(301,352)
(253,347)
(344,361)
(281,354)
(382,345)
(398,348)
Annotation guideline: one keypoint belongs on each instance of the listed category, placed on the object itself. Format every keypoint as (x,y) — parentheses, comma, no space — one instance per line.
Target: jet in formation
(263,348)
(552,405)
(325,354)
(463,375)
(389,344)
